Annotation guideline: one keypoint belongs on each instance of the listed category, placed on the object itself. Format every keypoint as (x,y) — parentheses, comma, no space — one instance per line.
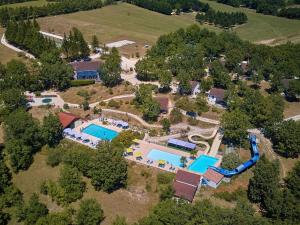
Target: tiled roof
(184,191)
(188,178)
(67,118)
(86,66)
(218,93)
(213,176)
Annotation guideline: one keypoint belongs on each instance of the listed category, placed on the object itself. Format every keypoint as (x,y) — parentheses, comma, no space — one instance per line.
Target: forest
(62,7)
(272,7)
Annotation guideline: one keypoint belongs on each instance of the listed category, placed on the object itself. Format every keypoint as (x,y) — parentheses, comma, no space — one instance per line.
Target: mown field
(116,22)
(262,28)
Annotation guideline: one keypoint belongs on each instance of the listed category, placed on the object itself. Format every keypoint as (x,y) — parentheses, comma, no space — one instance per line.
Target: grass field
(133,202)
(116,22)
(263,28)
(124,21)
(30,3)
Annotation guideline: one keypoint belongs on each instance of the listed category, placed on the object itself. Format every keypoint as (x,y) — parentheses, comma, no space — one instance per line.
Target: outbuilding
(69,120)
(212,178)
(86,70)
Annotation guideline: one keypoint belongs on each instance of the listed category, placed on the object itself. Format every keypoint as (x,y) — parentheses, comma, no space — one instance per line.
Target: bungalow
(212,178)
(216,96)
(86,70)
(69,120)
(186,185)
(164,104)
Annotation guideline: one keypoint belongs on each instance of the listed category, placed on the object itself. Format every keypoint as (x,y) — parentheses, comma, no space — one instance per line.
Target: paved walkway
(296,118)
(216,145)
(204,119)
(5,43)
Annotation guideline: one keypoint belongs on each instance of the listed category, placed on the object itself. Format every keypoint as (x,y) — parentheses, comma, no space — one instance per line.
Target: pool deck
(99,123)
(145,147)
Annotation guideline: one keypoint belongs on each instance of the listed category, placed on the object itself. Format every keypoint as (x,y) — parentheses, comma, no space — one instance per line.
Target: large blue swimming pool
(170,158)
(201,164)
(100,132)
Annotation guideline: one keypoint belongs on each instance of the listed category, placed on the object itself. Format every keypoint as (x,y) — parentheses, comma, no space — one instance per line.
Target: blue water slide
(244,166)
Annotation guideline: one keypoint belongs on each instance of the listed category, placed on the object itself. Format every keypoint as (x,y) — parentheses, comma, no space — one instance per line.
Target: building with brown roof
(212,178)
(69,120)
(164,104)
(186,185)
(216,96)
(86,70)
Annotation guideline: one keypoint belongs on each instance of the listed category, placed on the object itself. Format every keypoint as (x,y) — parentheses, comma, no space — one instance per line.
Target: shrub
(114,104)
(102,103)
(55,157)
(175,116)
(230,161)
(164,178)
(78,83)
(192,121)
(110,91)
(66,106)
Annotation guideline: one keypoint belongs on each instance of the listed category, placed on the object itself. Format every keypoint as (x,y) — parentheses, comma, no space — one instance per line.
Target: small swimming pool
(46,100)
(170,158)
(201,164)
(100,132)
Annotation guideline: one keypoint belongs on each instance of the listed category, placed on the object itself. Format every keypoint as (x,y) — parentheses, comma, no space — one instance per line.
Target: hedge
(77,83)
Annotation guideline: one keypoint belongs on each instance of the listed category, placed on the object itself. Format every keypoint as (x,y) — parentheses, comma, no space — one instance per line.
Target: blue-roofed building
(86,70)
(181,144)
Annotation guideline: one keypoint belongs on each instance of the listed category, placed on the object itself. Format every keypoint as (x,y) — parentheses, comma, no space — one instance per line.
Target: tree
(52,130)
(70,181)
(193,153)
(166,124)
(20,155)
(31,212)
(220,75)
(4,218)
(235,125)
(111,70)
(5,175)
(285,138)
(293,180)
(150,109)
(175,116)
(89,213)
(293,91)
(230,161)
(125,138)
(108,168)
(166,192)
(265,180)
(60,218)
(183,161)
(13,99)
(201,104)
(165,79)
(95,44)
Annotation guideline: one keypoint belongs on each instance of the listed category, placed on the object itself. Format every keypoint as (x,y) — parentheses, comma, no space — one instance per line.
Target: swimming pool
(170,158)
(100,132)
(201,164)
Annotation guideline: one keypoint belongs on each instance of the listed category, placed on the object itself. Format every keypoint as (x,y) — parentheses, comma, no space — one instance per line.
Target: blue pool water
(173,159)
(100,132)
(201,164)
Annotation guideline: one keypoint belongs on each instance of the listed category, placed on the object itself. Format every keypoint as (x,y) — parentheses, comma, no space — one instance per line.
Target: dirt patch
(97,92)
(41,111)
(291,109)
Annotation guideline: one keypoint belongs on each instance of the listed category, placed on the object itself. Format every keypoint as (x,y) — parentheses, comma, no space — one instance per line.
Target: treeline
(63,7)
(270,7)
(4,2)
(167,6)
(223,19)
(74,46)
(27,36)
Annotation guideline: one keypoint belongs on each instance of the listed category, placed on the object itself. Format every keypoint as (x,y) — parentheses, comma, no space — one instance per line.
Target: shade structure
(77,135)
(181,144)
(84,137)
(161,162)
(138,154)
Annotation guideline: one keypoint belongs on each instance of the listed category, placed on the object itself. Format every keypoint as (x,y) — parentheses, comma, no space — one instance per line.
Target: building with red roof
(186,185)
(212,178)
(217,96)
(164,104)
(69,120)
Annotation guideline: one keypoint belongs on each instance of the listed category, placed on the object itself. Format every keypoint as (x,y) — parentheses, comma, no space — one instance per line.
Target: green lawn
(30,3)
(263,28)
(117,22)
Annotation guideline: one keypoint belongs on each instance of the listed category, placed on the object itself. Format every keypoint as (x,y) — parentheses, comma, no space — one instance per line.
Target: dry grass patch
(42,111)
(1,134)
(97,92)
(291,109)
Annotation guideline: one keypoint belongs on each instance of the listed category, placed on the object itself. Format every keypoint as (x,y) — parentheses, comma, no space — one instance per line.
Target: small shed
(164,104)
(216,96)
(69,120)
(212,178)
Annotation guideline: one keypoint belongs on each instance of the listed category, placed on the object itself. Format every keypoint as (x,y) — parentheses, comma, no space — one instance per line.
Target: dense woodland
(223,19)
(272,7)
(63,7)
